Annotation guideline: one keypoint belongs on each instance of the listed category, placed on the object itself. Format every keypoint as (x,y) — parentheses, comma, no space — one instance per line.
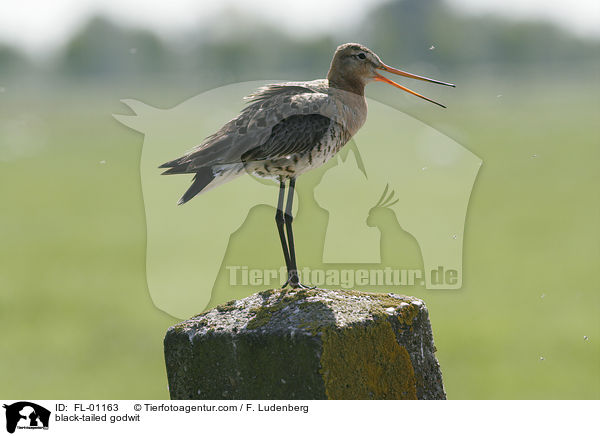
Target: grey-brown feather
(298,134)
(284,131)
(252,128)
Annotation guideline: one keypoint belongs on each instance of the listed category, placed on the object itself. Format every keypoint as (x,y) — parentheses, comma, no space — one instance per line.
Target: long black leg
(292,268)
(285,219)
(280,220)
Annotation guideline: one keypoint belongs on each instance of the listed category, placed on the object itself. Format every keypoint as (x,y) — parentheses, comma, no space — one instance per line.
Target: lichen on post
(306,344)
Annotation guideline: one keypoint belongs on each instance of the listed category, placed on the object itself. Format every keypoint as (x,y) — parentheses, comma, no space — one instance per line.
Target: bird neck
(350,84)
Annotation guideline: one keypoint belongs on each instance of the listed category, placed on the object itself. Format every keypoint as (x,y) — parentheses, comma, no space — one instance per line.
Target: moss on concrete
(365,361)
(264,313)
(306,344)
(226,307)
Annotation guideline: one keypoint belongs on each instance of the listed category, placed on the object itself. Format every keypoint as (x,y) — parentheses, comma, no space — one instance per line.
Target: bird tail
(177,166)
(207,178)
(202,178)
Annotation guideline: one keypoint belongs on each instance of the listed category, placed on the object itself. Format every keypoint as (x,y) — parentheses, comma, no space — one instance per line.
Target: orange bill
(387,68)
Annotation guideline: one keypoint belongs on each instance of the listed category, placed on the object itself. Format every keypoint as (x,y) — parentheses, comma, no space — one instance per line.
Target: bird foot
(301,286)
(294,282)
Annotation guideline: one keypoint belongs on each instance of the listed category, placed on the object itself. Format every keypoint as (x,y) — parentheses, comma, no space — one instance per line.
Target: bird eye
(361,56)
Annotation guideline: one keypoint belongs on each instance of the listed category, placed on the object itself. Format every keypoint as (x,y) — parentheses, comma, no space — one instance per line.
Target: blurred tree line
(237,47)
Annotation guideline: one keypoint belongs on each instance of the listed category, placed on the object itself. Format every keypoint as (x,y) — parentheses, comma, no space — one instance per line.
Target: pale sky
(41,25)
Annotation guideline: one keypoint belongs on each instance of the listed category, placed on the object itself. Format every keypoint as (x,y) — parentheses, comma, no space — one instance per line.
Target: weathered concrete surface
(306,344)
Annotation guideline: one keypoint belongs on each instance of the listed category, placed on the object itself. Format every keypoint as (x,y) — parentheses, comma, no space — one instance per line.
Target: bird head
(354,65)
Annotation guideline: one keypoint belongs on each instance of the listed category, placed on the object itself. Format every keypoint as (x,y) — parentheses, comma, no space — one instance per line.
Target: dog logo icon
(26,415)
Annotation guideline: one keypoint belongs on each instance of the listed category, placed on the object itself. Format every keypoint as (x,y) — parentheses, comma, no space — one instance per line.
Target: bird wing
(253,127)
(294,134)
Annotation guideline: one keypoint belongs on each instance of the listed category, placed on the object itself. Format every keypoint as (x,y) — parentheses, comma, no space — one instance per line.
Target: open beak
(389,69)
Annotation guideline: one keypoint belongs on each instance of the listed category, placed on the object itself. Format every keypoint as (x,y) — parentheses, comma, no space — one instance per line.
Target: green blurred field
(77,317)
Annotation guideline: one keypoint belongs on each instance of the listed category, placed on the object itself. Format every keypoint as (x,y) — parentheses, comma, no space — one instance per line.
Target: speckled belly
(298,163)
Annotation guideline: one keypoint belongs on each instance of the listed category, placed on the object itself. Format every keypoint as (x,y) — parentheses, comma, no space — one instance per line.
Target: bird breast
(350,109)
